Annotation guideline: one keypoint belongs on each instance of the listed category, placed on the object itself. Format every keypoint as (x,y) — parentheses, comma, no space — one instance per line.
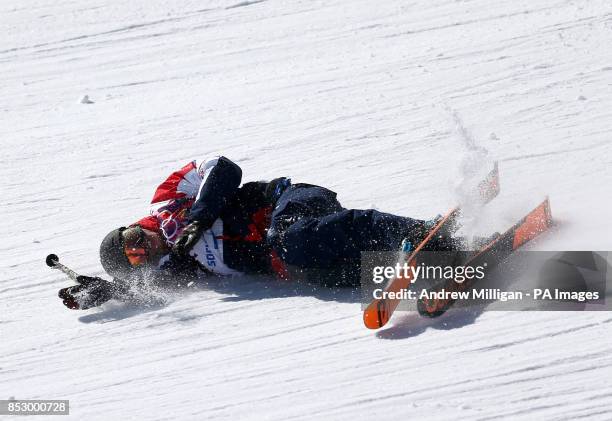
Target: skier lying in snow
(203,221)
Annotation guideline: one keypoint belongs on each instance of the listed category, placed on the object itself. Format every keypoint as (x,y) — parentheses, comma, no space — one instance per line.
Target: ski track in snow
(354,97)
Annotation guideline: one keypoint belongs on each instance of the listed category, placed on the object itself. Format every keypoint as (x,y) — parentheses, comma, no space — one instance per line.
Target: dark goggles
(135,245)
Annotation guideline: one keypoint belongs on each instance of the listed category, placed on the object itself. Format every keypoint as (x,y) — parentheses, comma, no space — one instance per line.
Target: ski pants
(311,231)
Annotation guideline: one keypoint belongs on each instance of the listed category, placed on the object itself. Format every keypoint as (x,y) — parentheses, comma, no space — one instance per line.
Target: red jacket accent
(169,189)
(171,201)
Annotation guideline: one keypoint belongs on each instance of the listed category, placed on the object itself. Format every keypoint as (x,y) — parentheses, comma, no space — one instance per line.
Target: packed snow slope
(389,103)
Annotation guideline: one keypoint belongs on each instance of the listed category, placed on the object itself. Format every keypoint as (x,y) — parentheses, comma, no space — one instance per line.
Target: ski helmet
(113,259)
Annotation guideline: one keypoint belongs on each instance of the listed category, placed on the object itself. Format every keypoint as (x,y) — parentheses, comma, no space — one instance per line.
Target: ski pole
(53,262)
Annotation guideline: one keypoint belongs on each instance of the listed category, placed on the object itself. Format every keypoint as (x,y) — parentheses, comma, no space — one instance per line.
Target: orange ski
(495,252)
(379,311)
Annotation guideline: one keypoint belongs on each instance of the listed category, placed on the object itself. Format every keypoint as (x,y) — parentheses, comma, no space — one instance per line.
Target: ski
(495,252)
(379,311)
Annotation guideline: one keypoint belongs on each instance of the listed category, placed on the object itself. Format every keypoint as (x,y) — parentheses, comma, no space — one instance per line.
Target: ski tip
(52,260)
(535,223)
(370,320)
(489,188)
(376,315)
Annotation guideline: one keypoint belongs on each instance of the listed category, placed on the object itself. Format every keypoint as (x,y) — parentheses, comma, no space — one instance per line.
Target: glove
(188,238)
(276,188)
(90,292)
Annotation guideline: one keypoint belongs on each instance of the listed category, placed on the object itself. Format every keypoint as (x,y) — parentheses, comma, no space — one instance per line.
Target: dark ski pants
(311,230)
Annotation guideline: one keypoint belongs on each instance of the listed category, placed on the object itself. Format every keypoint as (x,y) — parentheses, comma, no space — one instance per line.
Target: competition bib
(208,251)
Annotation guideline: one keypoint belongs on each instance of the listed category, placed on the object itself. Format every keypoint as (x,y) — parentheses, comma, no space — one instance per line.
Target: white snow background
(389,103)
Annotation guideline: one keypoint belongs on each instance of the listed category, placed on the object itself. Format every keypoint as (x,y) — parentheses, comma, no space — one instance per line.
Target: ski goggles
(135,245)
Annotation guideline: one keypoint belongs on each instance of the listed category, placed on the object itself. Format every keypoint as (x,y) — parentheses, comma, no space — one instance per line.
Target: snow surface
(389,103)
